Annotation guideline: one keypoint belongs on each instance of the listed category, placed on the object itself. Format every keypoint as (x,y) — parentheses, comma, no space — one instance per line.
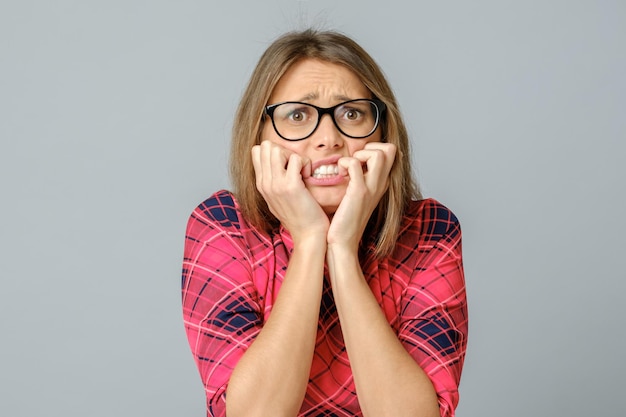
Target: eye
(350,114)
(297,116)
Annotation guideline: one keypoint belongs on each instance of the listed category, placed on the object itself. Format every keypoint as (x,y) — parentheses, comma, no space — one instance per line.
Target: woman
(324,285)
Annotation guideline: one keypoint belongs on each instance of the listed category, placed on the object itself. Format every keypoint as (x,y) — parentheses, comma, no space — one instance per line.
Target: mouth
(326,171)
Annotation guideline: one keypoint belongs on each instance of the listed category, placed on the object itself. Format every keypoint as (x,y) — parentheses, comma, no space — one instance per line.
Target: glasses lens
(358,118)
(295,120)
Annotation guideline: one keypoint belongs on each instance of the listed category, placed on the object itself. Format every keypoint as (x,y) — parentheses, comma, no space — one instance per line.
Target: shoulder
(431,220)
(219,215)
(220,208)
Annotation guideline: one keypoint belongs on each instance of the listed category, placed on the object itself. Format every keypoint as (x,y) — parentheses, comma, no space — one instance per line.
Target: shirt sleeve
(221,312)
(434,321)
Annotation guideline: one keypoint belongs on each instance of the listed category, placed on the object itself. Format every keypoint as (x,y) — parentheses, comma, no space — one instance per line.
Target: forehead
(315,80)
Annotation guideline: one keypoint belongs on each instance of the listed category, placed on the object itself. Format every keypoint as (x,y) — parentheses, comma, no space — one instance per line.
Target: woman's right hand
(279,180)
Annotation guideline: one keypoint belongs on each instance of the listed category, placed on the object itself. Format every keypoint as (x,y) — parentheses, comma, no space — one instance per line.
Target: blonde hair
(339,49)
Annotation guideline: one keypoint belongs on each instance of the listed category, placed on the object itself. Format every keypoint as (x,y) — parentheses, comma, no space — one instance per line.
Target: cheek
(358,144)
(376,136)
(355,145)
(268,133)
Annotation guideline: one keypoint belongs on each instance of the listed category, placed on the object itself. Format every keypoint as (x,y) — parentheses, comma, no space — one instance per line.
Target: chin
(329,198)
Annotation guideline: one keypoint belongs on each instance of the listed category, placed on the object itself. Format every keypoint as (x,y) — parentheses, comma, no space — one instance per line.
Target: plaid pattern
(232,273)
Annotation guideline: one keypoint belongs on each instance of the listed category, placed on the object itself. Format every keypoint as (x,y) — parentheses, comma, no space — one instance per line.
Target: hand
(364,191)
(279,180)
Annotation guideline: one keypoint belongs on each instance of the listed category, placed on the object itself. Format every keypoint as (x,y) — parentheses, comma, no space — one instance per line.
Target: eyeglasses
(357,119)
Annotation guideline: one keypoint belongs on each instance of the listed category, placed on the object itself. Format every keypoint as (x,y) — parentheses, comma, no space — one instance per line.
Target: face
(323,84)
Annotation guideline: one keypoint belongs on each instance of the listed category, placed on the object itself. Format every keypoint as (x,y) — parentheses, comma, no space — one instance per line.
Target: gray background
(114,124)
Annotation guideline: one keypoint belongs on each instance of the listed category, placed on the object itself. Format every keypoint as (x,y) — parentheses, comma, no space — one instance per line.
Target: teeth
(326,171)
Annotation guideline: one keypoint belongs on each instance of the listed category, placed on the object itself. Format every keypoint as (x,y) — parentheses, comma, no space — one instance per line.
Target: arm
(434,322)
(221,312)
(260,368)
(272,376)
(426,357)
(388,380)
(388,371)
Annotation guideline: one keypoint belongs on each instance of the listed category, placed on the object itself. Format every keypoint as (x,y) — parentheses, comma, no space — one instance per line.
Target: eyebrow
(313,96)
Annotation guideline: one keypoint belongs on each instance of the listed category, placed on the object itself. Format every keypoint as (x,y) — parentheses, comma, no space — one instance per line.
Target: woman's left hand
(368,170)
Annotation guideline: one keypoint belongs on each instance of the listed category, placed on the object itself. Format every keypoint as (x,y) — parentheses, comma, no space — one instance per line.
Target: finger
(372,159)
(388,152)
(389,149)
(278,158)
(268,175)
(256,163)
(384,146)
(378,169)
(255,152)
(305,171)
(295,166)
(353,168)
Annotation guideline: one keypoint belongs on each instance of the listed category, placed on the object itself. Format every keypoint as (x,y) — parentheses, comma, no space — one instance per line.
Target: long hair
(339,49)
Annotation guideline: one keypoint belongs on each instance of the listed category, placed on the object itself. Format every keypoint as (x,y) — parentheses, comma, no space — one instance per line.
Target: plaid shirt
(232,273)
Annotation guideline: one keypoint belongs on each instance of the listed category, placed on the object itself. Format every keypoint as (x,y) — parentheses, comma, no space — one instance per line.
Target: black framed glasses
(357,119)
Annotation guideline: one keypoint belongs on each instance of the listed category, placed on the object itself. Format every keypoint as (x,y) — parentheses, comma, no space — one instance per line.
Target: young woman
(324,285)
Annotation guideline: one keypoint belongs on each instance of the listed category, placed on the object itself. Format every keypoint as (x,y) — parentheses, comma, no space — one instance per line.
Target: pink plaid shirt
(232,273)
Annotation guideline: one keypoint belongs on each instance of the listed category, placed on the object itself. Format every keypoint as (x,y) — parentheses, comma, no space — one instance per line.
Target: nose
(327,136)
